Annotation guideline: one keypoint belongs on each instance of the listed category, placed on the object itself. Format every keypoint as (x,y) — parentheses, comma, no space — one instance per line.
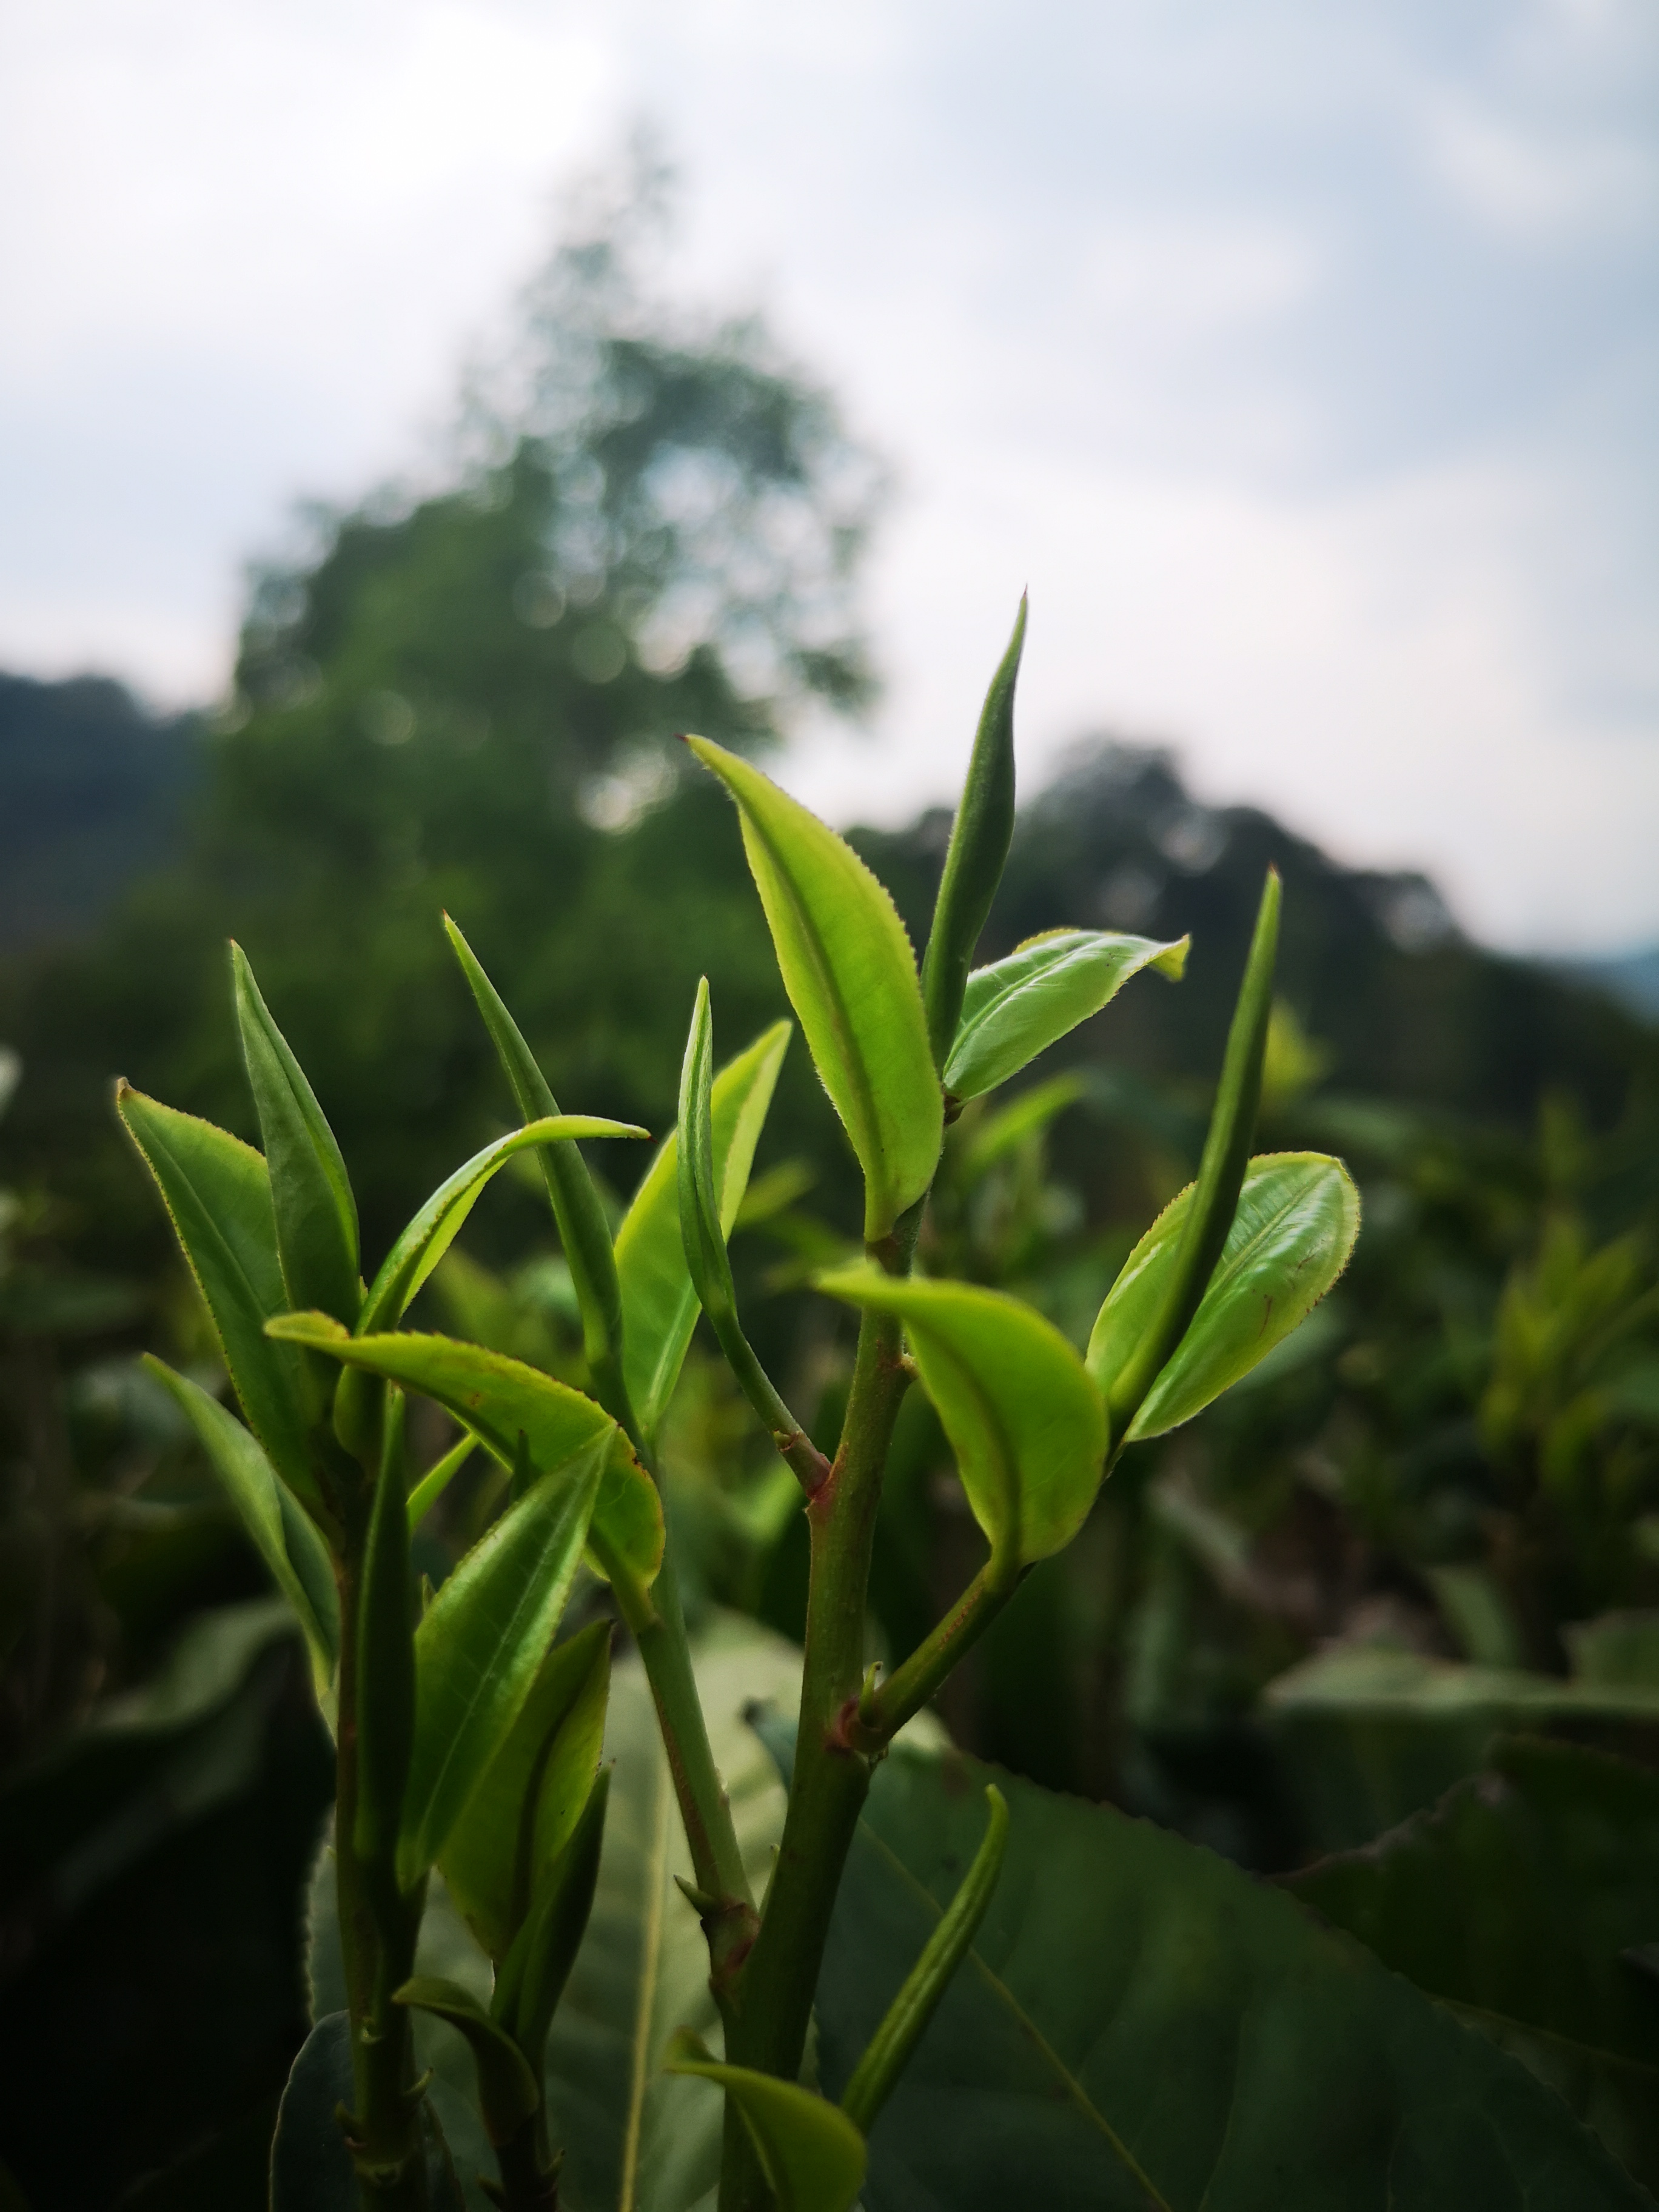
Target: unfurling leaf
(1024,1419)
(659,1305)
(500,1400)
(479,1651)
(435,1227)
(527,1803)
(283,1532)
(1017,1007)
(217,1195)
(812,2155)
(851,977)
(1294,1226)
(508,2091)
(980,837)
(316,1214)
(577,1210)
(906,2019)
(1221,1175)
(535,1970)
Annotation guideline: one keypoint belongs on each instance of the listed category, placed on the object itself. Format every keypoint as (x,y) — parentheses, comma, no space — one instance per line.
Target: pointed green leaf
(979,844)
(1017,1007)
(283,1532)
(437,1479)
(217,1195)
(812,2154)
(526,1804)
(1220,1174)
(535,1970)
(659,1306)
(851,977)
(507,2093)
(702,1231)
(385,1656)
(480,1647)
(500,1400)
(1297,1218)
(577,1210)
(1024,1418)
(316,1212)
(435,1227)
(905,2021)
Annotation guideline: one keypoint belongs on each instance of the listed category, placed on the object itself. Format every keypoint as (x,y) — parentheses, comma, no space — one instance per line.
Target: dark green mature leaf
(508,2090)
(1220,1175)
(217,1195)
(480,1649)
(810,2151)
(284,1534)
(316,1212)
(1024,1418)
(1140,2025)
(386,1655)
(502,1399)
(1294,1228)
(978,850)
(1514,1901)
(527,1803)
(851,977)
(434,1228)
(1017,1007)
(659,1305)
(577,1210)
(310,2168)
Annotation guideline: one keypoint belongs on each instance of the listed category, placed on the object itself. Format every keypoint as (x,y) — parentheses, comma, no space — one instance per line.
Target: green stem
(767,2029)
(378,1931)
(883,1712)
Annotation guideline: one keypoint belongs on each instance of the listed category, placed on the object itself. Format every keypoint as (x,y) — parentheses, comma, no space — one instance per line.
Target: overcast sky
(1303,360)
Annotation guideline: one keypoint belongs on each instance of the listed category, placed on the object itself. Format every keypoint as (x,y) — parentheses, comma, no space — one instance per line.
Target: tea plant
(469,1739)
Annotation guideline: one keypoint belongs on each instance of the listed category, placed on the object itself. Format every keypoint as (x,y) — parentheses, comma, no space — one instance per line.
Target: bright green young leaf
(702,1233)
(533,1974)
(1205,1228)
(480,1649)
(1297,1218)
(508,2091)
(425,1494)
(812,2154)
(577,1210)
(283,1532)
(217,1195)
(1024,1419)
(435,1227)
(316,1212)
(526,1804)
(1141,2025)
(851,977)
(1017,1007)
(500,1400)
(660,1307)
(980,837)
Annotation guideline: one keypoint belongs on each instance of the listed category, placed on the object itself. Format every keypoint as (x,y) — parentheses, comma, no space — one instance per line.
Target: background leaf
(659,1306)
(1024,1419)
(1142,2024)
(851,977)
(1017,1007)
(1514,1901)
(310,2169)
(1294,1226)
